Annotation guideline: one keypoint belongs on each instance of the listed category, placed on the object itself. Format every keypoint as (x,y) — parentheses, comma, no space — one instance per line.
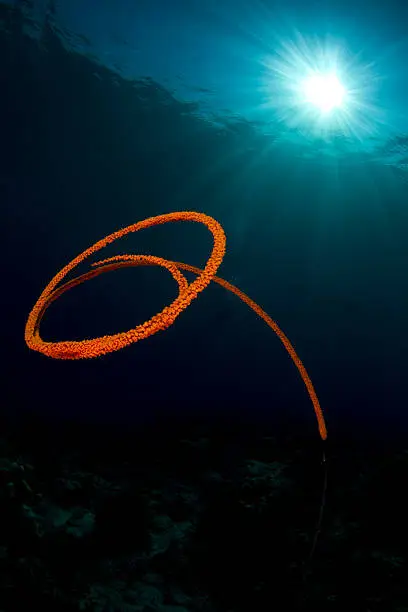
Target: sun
(319,87)
(324,91)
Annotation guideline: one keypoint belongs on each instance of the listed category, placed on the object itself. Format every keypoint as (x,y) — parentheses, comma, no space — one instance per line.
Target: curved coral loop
(86,349)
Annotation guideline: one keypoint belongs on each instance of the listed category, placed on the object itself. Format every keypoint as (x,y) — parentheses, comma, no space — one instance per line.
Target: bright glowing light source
(324,91)
(318,88)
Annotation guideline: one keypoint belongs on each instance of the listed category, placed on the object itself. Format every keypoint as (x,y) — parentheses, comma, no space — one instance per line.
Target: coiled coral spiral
(86,349)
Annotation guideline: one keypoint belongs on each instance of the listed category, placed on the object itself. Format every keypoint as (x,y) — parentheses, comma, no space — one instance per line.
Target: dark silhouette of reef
(193,516)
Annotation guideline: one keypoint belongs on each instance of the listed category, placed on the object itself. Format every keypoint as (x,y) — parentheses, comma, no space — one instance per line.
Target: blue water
(115,111)
(240,59)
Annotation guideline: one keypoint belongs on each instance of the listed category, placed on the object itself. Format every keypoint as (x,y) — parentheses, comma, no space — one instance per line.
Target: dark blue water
(315,215)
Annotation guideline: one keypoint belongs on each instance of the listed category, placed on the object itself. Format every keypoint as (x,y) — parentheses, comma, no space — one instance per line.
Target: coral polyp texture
(94,347)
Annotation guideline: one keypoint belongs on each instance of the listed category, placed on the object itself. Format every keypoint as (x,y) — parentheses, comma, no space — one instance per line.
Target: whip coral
(94,347)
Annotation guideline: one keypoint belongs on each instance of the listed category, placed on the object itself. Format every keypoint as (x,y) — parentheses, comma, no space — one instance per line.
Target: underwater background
(190,462)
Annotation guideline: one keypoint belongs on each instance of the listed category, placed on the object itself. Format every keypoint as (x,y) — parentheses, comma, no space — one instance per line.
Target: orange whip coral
(86,349)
